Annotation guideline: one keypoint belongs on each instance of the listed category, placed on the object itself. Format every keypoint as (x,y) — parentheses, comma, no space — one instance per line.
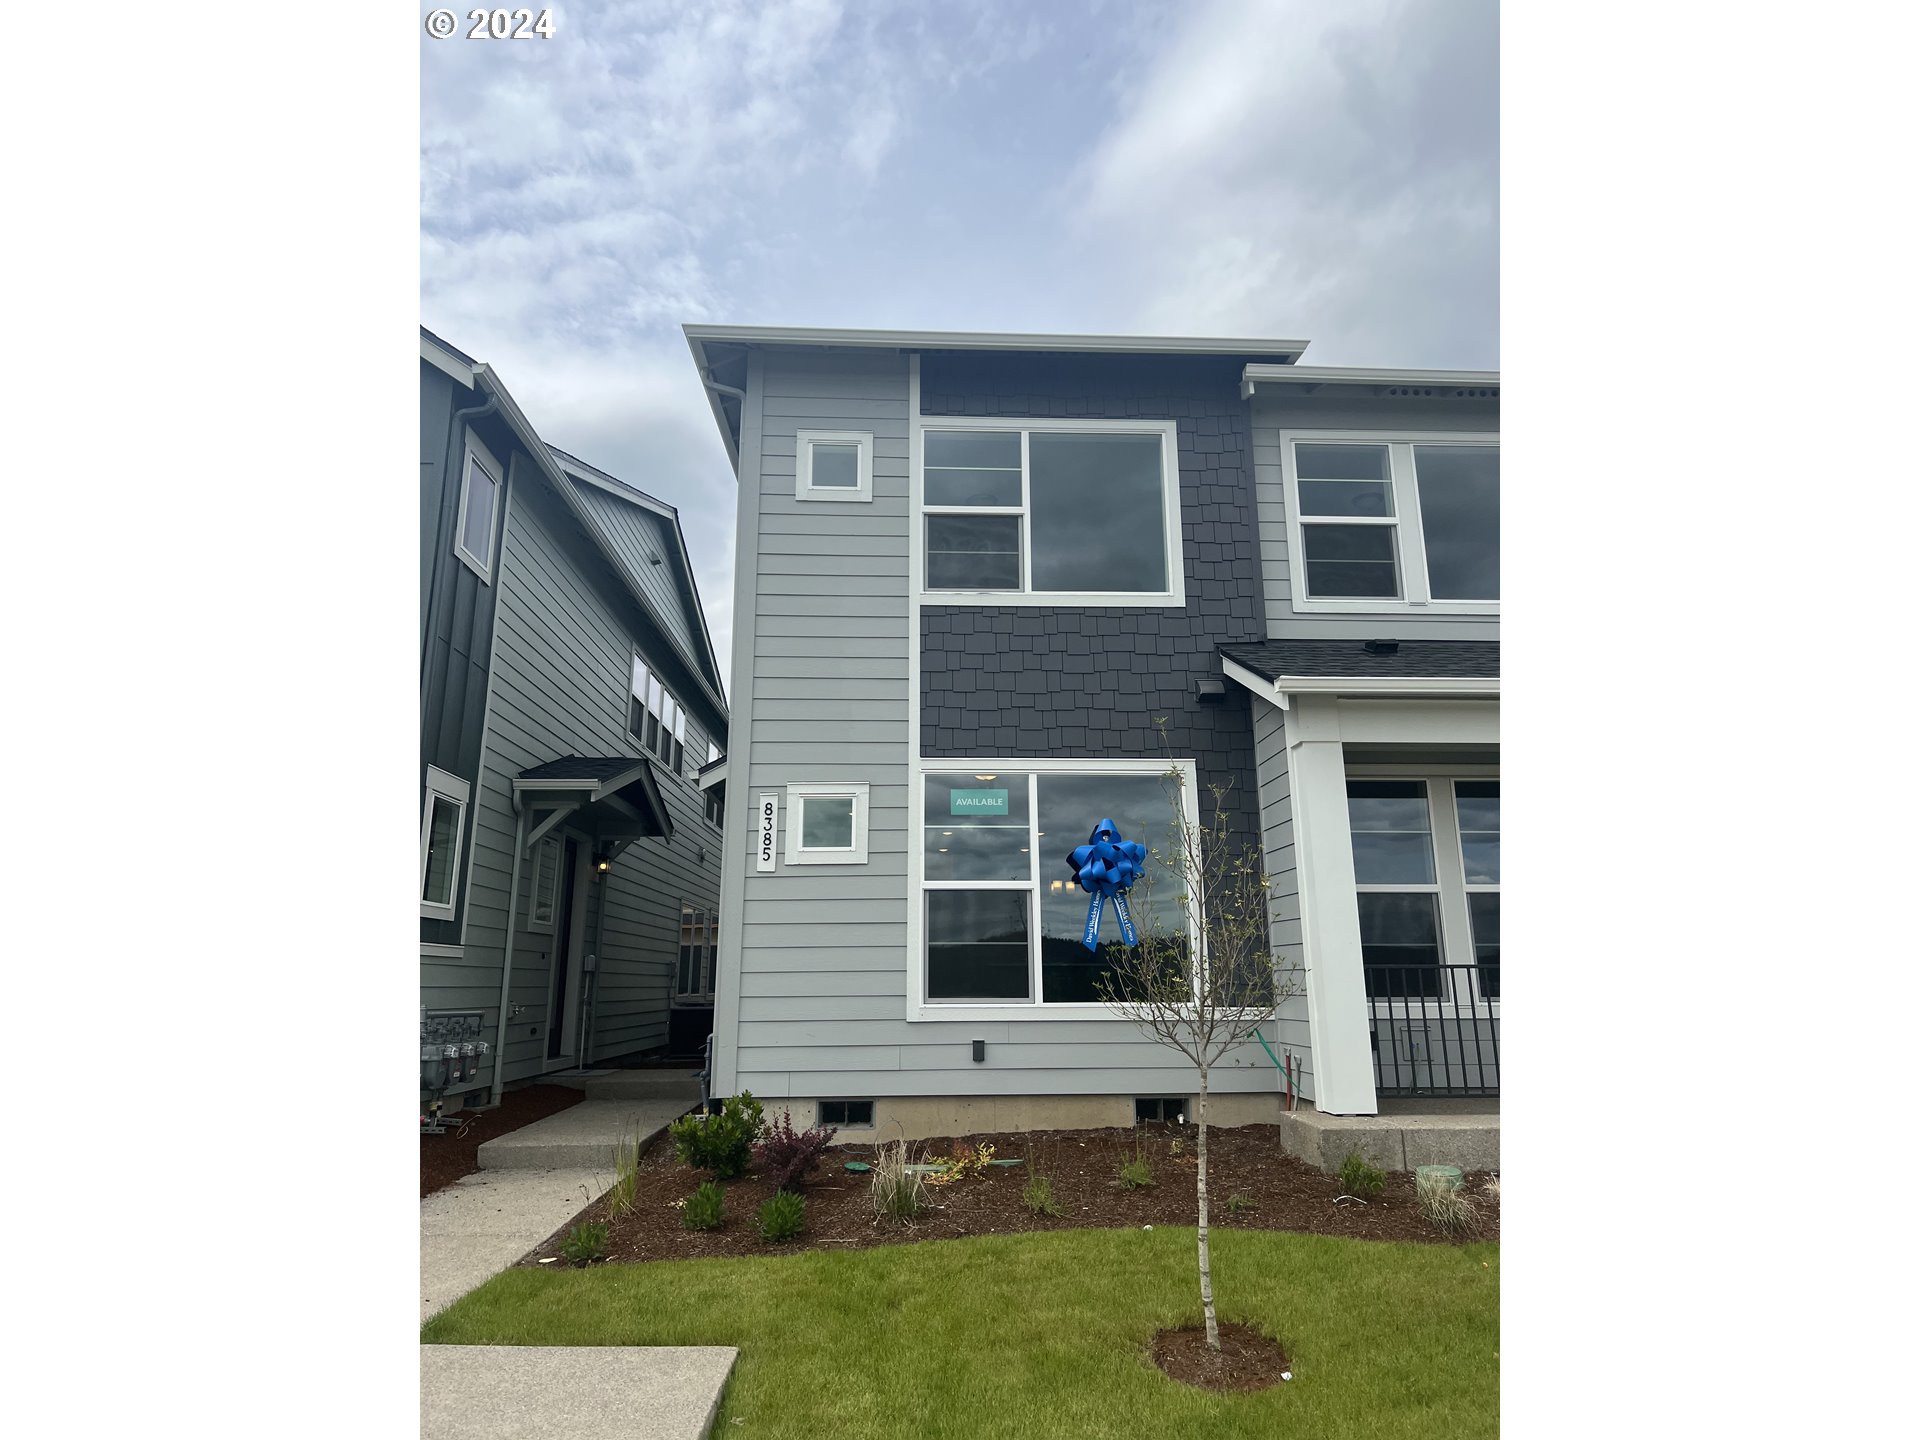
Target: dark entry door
(565,922)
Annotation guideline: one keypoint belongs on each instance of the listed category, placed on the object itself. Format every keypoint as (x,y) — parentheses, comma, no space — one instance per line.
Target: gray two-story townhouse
(569,698)
(990,589)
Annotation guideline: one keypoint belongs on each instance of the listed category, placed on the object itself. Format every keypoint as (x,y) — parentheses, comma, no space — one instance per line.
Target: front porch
(1379,780)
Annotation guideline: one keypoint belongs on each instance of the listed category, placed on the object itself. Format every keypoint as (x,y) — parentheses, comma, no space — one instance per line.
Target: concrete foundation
(916,1117)
(1405,1140)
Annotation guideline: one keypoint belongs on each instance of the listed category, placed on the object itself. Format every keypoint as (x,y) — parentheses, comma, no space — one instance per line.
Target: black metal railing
(1436,1029)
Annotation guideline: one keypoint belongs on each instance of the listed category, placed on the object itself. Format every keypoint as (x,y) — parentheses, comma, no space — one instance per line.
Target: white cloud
(1310,171)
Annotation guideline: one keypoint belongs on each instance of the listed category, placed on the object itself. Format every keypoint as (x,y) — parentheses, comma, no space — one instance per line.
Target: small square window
(826,824)
(846,1114)
(833,465)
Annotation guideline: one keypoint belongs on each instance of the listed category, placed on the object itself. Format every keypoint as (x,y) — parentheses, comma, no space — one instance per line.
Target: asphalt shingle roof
(593,768)
(1351,660)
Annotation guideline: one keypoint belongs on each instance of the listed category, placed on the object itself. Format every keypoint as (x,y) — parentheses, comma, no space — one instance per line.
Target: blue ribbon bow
(1107,866)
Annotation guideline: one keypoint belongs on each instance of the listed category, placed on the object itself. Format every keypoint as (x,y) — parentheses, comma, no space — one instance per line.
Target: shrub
(782,1217)
(1238,1205)
(897,1191)
(705,1208)
(626,1177)
(965,1163)
(720,1143)
(1136,1174)
(1447,1209)
(1038,1196)
(789,1156)
(585,1243)
(1359,1179)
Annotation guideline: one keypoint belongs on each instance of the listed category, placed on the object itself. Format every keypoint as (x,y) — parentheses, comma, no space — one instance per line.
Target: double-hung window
(1382,523)
(1001,919)
(655,718)
(1426,866)
(1050,512)
(442,823)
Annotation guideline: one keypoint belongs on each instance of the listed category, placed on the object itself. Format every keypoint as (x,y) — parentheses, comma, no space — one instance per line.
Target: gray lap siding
(560,681)
(821,1005)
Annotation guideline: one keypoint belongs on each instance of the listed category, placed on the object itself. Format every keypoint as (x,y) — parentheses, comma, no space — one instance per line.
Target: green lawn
(1027,1335)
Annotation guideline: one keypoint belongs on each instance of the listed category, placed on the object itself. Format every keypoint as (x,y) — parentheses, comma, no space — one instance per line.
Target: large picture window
(1002,919)
(1379,523)
(1426,869)
(1051,509)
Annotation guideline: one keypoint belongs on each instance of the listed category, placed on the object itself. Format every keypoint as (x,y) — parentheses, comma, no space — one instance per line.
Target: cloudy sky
(1325,170)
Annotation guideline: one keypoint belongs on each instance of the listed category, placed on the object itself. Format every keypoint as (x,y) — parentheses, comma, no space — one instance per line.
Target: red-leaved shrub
(787,1155)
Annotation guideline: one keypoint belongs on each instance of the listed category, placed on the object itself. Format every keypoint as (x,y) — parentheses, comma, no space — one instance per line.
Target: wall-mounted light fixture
(602,862)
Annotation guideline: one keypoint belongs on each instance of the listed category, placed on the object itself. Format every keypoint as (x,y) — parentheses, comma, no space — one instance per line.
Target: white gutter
(1456,383)
(1276,692)
(986,340)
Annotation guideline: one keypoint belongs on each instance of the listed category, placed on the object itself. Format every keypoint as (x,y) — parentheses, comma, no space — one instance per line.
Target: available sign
(977,802)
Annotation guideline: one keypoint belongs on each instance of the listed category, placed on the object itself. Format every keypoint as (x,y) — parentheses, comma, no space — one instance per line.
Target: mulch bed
(1284,1193)
(445,1158)
(1247,1360)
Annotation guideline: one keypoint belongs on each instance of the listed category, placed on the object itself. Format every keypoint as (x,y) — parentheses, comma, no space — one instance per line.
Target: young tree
(1201,1006)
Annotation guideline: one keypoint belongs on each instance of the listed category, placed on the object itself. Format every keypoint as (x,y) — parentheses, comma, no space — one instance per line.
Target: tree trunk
(1206,1254)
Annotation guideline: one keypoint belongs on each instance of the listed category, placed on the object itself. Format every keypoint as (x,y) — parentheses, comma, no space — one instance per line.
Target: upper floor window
(1394,523)
(833,465)
(655,718)
(479,515)
(1051,511)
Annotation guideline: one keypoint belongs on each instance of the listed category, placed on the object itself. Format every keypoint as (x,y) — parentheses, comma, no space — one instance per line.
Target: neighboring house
(989,589)
(569,696)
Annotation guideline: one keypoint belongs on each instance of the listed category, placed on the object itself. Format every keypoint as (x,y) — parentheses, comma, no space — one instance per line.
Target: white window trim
(798,854)
(456,793)
(549,845)
(474,449)
(803,486)
(1410,546)
(1033,1008)
(1167,430)
(1449,884)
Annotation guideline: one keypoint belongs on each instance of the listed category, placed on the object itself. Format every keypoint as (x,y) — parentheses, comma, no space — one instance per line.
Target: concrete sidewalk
(479,1225)
(563,1392)
(583,1136)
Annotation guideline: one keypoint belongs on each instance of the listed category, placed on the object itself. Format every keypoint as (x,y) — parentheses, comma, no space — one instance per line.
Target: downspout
(506,962)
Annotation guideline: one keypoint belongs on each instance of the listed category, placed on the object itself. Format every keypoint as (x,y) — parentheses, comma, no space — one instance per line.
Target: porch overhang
(612,797)
(1277,671)
(712,774)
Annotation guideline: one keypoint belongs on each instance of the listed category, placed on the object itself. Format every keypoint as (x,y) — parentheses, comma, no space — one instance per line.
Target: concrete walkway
(479,1225)
(531,1182)
(561,1392)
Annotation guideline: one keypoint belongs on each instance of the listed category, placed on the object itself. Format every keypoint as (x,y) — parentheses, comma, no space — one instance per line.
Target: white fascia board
(1276,692)
(1317,375)
(710,776)
(983,340)
(446,361)
(531,442)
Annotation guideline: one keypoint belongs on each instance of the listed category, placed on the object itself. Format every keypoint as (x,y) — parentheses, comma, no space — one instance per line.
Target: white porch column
(1337,1009)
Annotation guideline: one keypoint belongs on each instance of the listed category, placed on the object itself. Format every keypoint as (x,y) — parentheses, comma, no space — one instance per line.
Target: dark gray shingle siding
(1060,682)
